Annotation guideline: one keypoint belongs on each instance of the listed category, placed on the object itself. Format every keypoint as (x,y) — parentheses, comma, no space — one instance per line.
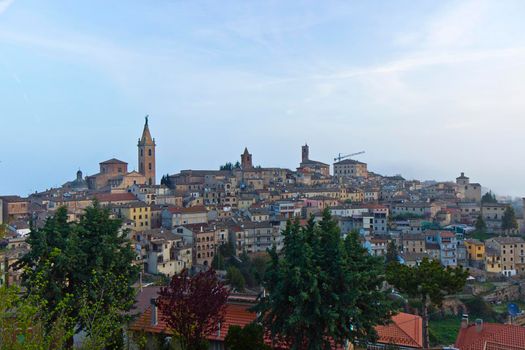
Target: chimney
(479,325)
(154,312)
(464,321)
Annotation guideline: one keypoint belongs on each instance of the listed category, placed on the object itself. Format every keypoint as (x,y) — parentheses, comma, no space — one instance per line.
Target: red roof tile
(115,197)
(405,330)
(493,336)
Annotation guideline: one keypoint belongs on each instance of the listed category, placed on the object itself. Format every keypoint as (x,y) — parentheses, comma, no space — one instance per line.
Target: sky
(427,89)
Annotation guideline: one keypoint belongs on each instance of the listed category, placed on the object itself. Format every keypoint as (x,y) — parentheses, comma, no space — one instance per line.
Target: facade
(13,208)
(350,168)
(139,213)
(468,191)
(172,216)
(246,160)
(511,251)
(308,166)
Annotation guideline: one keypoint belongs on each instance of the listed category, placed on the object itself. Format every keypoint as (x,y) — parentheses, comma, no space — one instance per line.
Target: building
(511,252)
(246,160)
(308,166)
(490,336)
(468,191)
(173,216)
(13,208)
(139,213)
(146,154)
(475,252)
(350,168)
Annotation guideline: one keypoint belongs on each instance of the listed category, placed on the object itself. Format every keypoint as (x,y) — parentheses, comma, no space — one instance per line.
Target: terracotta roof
(113,161)
(189,210)
(405,330)
(115,197)
(492,336)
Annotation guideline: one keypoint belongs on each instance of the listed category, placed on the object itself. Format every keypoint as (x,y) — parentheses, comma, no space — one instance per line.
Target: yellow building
(493,261)
(475,249)
(139,213)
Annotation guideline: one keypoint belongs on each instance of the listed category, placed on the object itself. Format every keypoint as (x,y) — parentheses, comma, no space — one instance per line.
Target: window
(149,152)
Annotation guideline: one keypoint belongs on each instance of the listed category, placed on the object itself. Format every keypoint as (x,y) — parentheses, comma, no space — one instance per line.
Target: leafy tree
(192,307)
(66,261)
(481,226)
(322,290)
(3,230)
(391,253)
(429,282)
(235,278)
(250,337)
(509,221)
(489,197)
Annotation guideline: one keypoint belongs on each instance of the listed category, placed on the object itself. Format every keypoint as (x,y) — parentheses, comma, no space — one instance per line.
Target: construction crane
(340,157)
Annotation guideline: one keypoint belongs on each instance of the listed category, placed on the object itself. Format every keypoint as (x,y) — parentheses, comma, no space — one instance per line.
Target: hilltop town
(184,220)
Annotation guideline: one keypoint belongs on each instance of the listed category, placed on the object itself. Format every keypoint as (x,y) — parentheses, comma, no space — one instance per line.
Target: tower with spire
(146,150)
(246,160)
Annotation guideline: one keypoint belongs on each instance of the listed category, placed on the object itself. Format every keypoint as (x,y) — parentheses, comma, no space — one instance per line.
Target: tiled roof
(115,197)
(405,330)
(113,161)
(494,336)
(189,210)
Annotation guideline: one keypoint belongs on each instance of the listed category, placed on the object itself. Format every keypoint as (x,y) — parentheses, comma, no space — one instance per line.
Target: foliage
(3,230)
(322,290)
(509,221)
(391,253)
(407,216)
(193,307)
(218,262)
(166,181)
(230,166)
(481,226)
(235,279)
(444,331)
(430,282)
(489,197)
(67,262)
(23,323)
(250,337)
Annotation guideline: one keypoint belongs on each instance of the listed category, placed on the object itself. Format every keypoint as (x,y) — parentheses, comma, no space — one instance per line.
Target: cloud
(4,5)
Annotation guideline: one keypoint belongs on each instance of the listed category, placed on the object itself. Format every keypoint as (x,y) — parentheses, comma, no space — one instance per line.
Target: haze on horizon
(428,89)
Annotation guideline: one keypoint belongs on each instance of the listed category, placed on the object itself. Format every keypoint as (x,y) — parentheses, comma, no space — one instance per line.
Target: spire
(146,135)
(246,150)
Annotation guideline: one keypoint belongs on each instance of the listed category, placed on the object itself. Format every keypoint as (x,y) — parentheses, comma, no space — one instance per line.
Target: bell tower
(246,160)
(305,156)
(146,149)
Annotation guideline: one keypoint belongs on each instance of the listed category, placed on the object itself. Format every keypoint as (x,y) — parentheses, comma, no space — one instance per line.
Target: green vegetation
(482,236)
(391,253)
(443,331)
(166,181)
(235,279)
(509,222)
(407,216)
(321,289)
(82,273)
(481,226)
(429,282)
(489,197)
(230,166)
(250,337)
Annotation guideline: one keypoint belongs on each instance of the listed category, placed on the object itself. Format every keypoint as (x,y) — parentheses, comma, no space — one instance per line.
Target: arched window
(149,152)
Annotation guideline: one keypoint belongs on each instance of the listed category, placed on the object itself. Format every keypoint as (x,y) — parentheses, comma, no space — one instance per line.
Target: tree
(481,226)
(193,307)
(166,180)
(429,282)
(509,221)
(391,253)
(235,278)
(322,290)
(250,337)
(218,262)
(66,261)
(489,197)
(227,166)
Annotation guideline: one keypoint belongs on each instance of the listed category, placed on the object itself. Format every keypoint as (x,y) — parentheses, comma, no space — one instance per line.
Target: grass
(444,331)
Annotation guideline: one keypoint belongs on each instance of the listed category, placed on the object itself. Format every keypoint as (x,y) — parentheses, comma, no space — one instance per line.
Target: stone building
(146,153)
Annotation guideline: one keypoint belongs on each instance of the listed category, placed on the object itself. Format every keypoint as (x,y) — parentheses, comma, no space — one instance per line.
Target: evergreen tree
(481,226)
(218,262)
(509,222)
(489,197)
(391,253)
(429,282)
(66,262)
(322,290)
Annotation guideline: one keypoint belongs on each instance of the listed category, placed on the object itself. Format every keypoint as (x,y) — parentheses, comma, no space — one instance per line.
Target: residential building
(468,191)
(349,168)
(172,216)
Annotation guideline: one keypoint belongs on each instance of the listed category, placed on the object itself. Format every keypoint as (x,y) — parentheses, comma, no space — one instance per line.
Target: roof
(507,240)
(146,136)
(113,161)
(115,197)
(405,330)
(189,210)
(492,336)
(348,161)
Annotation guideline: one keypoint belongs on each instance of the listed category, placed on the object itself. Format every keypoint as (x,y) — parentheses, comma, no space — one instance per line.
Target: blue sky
(426,88)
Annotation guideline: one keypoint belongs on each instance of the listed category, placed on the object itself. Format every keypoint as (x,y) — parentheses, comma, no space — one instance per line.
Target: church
(114,175)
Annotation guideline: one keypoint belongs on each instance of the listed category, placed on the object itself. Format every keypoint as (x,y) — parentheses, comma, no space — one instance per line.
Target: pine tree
(72,261)
(391,253)
(322,291)
(250,337)
(509,222)
(481,226)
